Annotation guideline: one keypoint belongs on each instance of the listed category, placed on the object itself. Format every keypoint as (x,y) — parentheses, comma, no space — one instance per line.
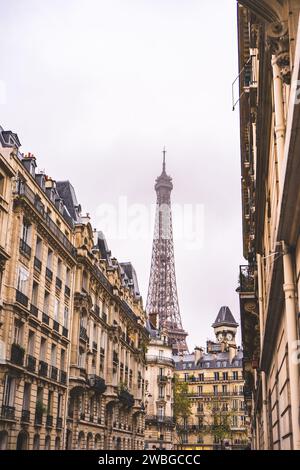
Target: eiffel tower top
(164,181)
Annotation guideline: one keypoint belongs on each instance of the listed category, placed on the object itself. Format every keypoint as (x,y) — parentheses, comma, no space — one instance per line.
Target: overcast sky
(96,88)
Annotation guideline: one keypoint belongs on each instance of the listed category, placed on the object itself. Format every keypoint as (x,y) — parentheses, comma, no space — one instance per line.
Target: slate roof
(224,317)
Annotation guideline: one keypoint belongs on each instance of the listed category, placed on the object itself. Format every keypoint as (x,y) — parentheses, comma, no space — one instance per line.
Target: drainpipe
(289,289)
(263,375)
(279,116)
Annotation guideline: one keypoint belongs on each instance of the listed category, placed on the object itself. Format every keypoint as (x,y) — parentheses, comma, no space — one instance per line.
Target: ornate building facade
(72,324)
(215,385)
(269,63)
(159,431)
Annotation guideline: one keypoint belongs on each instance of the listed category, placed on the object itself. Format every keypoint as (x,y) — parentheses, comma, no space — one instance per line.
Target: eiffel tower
(162,302)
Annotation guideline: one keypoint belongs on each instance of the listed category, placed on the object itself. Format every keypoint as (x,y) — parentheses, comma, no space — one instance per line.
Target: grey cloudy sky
(95,89)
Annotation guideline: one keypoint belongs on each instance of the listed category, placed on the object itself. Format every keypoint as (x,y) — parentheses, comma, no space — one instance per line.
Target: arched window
(22,441)
(97,442)
(3,440)
(57,443)
(47,443)
(89,441)
(81,443)
(36,442)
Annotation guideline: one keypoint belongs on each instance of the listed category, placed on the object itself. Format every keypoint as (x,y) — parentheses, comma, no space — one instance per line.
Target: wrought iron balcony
(83,334)
(31,363)
(58,282)
(63,377)
(247,278)
(17,354)
(97,383)
(59,422)
(25,249)
(43,368)
(160,360)
(65,332)
(45,318)
(34,310)
(49,421)
(162,378)
(25,417)
(54,373)
(56,326)
(67,291)
(37,264)
(49,274)
(126,398)
(157,419)
(21,298)
(8,412)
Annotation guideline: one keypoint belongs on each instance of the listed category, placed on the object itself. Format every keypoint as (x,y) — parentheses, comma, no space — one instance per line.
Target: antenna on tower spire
(164,159)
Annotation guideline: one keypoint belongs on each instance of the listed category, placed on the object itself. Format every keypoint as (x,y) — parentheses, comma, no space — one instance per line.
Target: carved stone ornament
(278,43)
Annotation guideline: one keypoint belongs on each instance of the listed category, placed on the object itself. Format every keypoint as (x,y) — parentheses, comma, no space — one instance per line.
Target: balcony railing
(43,368)
(65,332)
(49,421)
(162,378)
(54,373)
(25,249)
(31,363)
(209,379)
(247,278)
(56,326)
(35,201)
(157,419)
(49,274)
(21,298)
(25,417)
(37,264)
(67,291)
(83,333)
(34,310)
(59,422)
(17,354)
(63,377)
(58,283)
(38,418)
(8,412)
(215,394)
(45,318)
(160,360)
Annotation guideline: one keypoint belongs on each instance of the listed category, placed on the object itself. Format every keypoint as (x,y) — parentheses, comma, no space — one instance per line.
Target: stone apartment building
(216,391)
(72,324)
(269,74)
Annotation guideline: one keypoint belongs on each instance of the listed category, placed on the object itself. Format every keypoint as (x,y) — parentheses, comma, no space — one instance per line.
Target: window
(161,371)
(62,359)
(215,389)
(225,375)
(49,259)
(56,309)
(235,375)
(43,349)
(66,317)
(46,302)
(200,407)
(235,404)
(234,421)
(200,389)
(186,377)
(68,277)
(50,402)
(81,358)
(185,439)
(31,340)
(2,185)
(84,281)
(201,377)
(224,389)
(242,405)
(59,405)
(160,353)
(53,354)
(38,248)
(35,291)
(160,412)
(9,391)
(161,392)
(216,376)
(59,268)
(26,396)
(18,332)
(26,232)
(23,280)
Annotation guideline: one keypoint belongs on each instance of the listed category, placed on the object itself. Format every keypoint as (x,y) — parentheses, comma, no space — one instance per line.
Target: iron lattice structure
(162,301)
